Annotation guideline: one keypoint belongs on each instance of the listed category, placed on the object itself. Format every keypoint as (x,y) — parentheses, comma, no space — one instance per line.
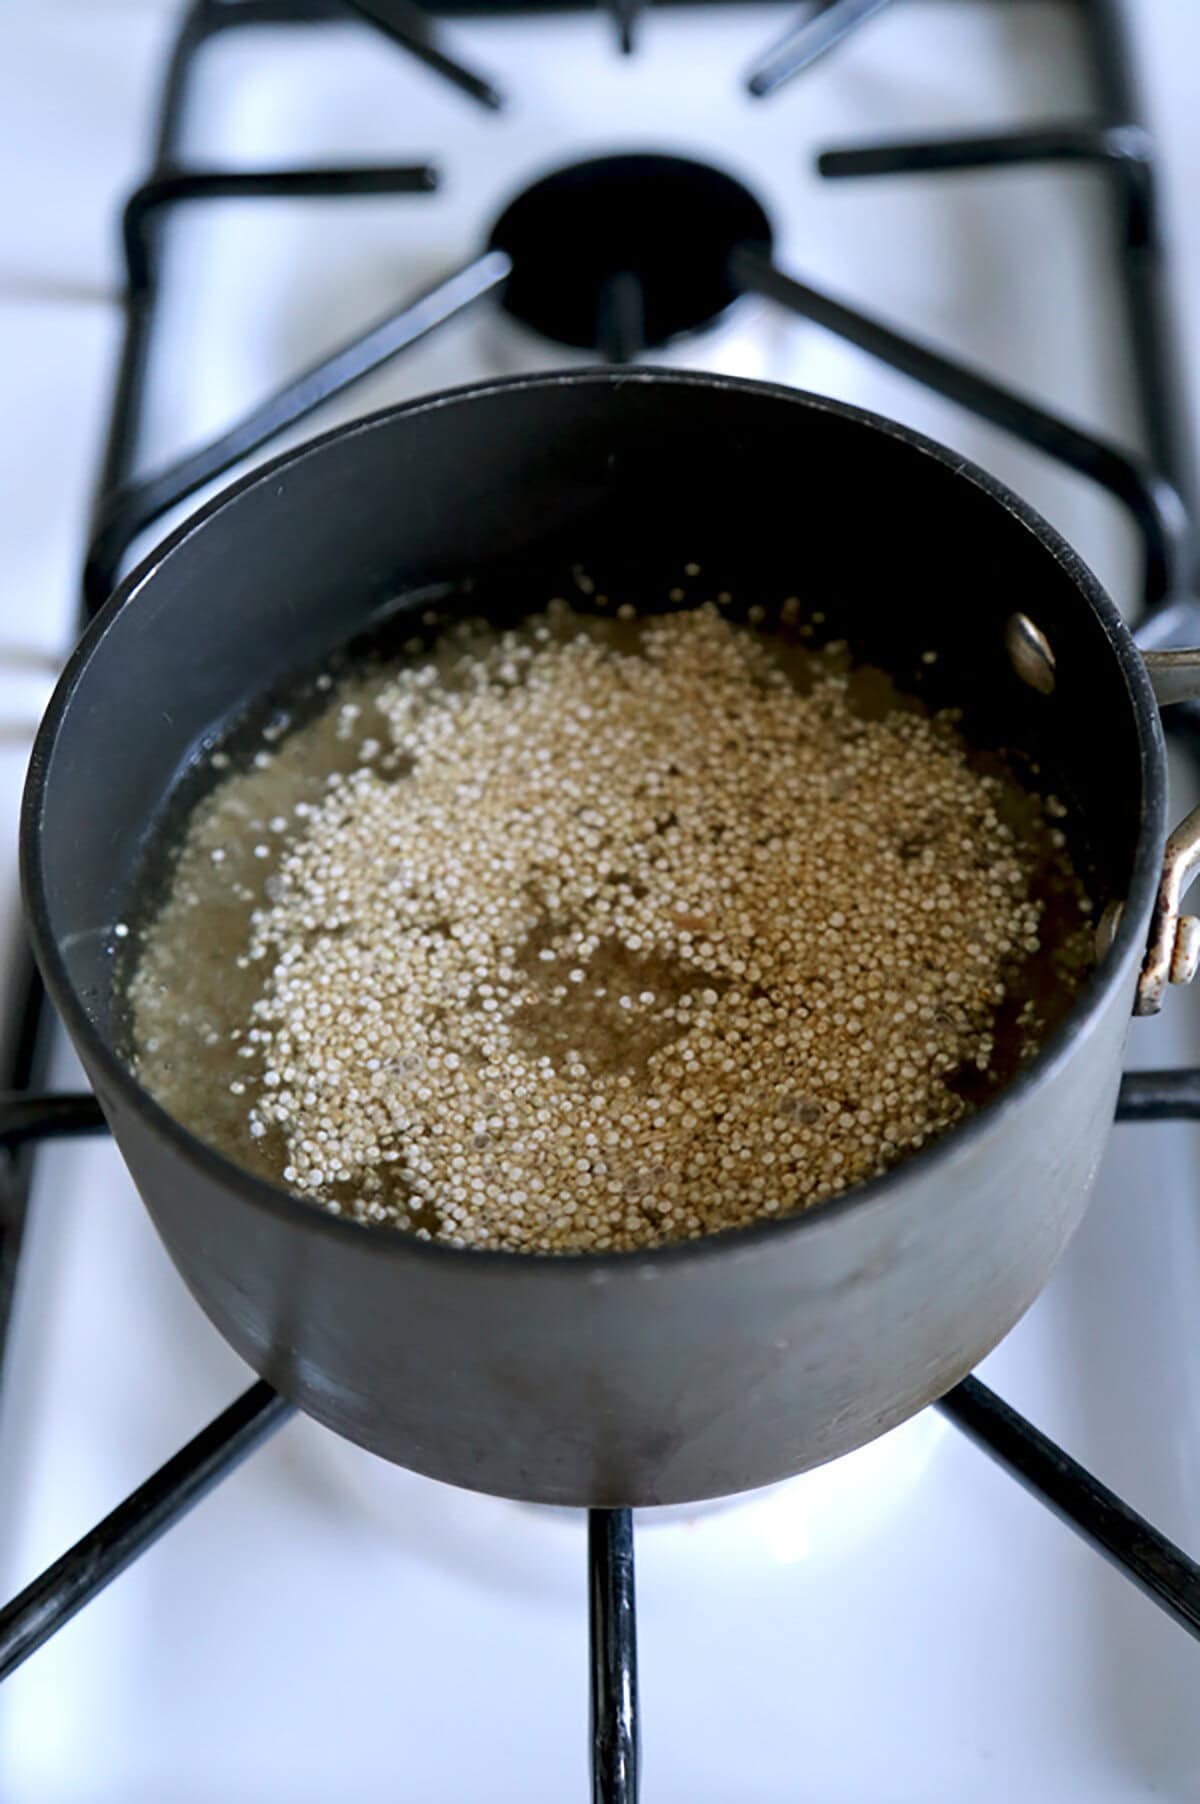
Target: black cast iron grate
(1152,489)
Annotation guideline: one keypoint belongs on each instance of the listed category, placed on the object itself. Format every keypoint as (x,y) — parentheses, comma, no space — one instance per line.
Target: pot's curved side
(663,1380)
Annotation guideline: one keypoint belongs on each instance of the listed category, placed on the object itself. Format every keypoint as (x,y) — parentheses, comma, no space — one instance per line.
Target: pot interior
(497,500)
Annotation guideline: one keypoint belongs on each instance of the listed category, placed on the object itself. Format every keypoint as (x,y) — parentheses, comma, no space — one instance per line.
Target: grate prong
(84,1570)
(612,1621)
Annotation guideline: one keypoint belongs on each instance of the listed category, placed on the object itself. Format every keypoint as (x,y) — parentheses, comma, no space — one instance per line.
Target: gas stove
(954,214)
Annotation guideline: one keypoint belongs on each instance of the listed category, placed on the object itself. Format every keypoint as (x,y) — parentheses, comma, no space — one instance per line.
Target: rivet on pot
(1106,927)
(1185,956)
(1029,653)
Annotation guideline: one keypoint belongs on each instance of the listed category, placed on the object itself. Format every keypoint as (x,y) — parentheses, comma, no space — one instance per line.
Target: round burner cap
(631,251)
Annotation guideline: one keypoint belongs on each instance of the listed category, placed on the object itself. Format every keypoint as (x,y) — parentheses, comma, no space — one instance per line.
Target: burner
(622,254)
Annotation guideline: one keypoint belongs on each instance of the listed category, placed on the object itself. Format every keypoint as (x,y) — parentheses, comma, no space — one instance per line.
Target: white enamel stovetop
(904,1627)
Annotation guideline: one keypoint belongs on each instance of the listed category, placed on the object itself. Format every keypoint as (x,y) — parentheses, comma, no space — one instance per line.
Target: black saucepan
(690,1371)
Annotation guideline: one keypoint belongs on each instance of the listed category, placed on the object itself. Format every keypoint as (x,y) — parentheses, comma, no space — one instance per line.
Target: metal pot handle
(1173,950)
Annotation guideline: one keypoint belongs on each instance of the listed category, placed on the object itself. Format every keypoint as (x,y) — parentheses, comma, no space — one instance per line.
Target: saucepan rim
(102,1057)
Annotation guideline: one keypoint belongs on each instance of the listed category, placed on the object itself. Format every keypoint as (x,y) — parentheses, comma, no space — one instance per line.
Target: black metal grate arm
(130,509)
(621,325)
(799,48)
(1124,150)
(85,1569)
(1160,1096)
(625,17)
(146,203)
(413,30)
(26,1116)
(1155,506)
(1153,1563)
(612,1620)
